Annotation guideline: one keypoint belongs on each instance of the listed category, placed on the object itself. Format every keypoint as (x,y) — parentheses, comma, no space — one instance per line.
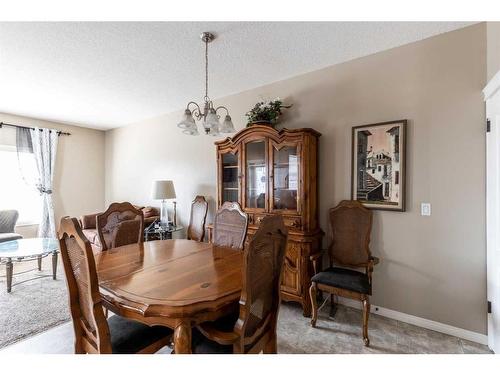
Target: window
(15,193)
(396,178)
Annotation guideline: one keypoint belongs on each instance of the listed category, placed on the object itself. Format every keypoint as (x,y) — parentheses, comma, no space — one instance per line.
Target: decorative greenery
(266,111)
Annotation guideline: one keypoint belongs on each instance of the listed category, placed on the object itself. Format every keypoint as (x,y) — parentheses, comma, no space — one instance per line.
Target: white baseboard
(420,322)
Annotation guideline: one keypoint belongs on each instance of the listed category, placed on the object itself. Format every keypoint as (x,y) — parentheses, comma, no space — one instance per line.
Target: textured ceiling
(105,75)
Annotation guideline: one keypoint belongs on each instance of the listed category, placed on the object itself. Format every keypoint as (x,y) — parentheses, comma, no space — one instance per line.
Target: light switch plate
(425,209)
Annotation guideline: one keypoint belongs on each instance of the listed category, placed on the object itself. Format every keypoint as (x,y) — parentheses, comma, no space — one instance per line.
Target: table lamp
(162,190)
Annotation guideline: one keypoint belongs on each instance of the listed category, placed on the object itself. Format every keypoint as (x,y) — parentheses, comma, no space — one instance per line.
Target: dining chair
(349,251)
(254,329)
(93,332)
(199,210)
(230,226)
(121,224)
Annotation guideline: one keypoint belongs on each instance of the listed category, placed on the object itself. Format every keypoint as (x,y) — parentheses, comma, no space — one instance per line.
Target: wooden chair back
(89,323)
(121,224)
(351,225)
(230,226)
(199,210)
(260,296)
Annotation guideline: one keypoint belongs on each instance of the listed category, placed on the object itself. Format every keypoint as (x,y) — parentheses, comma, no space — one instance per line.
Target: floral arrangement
(266,111)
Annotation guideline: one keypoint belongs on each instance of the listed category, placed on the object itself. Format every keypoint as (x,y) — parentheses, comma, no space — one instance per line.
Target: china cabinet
(276,172)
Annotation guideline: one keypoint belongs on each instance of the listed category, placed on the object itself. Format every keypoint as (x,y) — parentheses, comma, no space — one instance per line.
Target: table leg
(182,338)
(39,262)
(54,264)
(9,268)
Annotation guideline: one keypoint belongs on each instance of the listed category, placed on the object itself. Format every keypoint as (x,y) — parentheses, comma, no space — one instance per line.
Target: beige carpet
(33,306)
(36,306)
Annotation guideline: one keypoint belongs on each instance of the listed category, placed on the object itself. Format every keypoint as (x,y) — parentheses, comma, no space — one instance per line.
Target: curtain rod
(26,127)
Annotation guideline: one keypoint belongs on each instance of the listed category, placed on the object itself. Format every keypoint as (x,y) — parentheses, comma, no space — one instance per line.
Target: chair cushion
(201,345)
(345,279)
(129,336)
(4,237)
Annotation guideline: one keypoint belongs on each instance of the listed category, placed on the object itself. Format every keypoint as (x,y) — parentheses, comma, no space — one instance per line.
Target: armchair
(351,225)
(8,219)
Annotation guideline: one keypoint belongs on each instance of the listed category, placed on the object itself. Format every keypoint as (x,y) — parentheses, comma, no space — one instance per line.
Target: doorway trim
(492,99)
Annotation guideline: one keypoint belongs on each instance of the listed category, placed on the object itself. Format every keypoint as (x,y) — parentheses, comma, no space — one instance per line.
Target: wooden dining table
(174,283)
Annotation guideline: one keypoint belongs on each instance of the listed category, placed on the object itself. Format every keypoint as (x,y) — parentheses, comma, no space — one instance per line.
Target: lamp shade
(188,123)
(163,189)
(227,126)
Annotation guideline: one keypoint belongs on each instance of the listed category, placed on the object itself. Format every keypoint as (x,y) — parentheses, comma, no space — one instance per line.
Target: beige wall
(79,173)
(493,40)
(432,267)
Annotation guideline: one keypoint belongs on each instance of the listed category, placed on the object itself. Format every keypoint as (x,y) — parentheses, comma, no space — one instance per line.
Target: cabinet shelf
(256,165)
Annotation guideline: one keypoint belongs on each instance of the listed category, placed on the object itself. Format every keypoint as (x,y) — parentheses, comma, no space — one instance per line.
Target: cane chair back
(230,226)
(89,323)
(260,297)
(199,210)
(351,225)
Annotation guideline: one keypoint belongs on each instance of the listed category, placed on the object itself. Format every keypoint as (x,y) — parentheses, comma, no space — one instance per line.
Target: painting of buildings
(378,165)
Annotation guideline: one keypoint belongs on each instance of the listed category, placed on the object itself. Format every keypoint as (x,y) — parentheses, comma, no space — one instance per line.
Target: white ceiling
(106,75)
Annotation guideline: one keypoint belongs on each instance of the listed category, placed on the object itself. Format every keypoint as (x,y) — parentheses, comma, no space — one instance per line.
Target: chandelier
(209,116)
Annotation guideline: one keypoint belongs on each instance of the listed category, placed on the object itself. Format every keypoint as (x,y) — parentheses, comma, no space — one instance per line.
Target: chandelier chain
(206,70)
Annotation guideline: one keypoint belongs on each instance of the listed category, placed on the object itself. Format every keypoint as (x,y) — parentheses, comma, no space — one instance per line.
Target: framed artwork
(378,165)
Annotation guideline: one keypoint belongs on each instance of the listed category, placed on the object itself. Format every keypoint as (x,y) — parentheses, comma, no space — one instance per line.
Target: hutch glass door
(285,178)
(256,174)
(230,178)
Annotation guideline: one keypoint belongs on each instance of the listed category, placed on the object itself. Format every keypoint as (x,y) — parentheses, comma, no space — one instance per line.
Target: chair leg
(79,347)
(333,306)
(366,314)
(314,303)
(271,346)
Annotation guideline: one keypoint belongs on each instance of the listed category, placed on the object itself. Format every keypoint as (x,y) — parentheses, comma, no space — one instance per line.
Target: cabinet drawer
(293,222)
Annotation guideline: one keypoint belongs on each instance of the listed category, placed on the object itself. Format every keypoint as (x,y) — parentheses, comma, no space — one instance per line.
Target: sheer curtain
(42,143)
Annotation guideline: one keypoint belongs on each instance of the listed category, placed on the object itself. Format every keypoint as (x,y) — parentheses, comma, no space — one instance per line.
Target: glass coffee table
(28,249)
(157,231)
